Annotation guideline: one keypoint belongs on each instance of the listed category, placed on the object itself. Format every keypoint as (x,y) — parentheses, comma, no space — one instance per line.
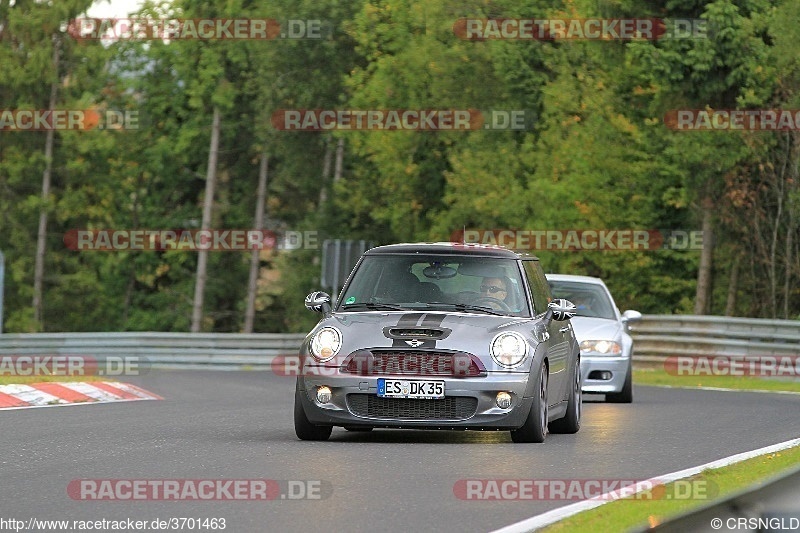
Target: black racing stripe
(409,320)
(433,321)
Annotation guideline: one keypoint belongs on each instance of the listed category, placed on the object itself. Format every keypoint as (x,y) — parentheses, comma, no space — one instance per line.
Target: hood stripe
(409,320)
(433,321)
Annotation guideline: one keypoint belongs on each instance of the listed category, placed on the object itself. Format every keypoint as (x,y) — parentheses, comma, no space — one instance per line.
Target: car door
(558,333)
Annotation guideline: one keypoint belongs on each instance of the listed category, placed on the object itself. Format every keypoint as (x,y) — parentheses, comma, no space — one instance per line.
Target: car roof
(572,277)
(448,248)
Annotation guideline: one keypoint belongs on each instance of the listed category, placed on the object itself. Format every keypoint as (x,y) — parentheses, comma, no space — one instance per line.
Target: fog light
(323,394)
(605,376)
(503,400)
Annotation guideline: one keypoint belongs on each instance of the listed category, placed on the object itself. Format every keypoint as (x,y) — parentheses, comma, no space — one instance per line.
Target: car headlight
(508,349)
(601,347)
(326,343)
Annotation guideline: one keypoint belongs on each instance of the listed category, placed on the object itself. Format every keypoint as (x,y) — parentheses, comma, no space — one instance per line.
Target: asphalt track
(238,425)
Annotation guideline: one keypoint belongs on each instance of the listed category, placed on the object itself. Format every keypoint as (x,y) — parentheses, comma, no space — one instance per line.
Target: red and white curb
(69,393)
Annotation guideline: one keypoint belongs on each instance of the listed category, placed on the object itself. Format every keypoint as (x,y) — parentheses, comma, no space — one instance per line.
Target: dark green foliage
(597,155)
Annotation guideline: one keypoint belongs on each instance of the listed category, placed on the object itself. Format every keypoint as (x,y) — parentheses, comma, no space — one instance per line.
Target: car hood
(465,332)
(591,328)
(373,322)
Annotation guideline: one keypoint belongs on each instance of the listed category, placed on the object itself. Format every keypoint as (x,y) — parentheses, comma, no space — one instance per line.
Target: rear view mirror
(439,272)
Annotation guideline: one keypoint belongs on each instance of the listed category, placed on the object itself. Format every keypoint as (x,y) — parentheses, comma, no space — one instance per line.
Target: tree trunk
(326,176)
(733,287)
(337,173)
(793,204)
(41,234)
(789,261)
(208,204)
(773,249)
(126,303)
(252,282)
(703,295)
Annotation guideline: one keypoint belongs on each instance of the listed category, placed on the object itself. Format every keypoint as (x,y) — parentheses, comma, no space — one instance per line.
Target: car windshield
(459,283)
(590,299)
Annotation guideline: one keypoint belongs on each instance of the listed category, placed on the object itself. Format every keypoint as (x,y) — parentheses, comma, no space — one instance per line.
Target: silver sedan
(605,343)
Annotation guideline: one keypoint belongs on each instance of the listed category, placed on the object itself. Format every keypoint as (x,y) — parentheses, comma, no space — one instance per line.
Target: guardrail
(173,350)
(655,336)
(659,336)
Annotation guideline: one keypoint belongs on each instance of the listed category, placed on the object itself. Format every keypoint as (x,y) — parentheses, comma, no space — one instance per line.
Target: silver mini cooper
(441,336)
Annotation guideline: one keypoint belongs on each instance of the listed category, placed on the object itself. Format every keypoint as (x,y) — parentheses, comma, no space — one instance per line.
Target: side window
(540,290)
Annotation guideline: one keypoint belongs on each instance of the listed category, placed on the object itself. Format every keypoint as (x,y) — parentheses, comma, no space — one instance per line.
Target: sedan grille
(372,406)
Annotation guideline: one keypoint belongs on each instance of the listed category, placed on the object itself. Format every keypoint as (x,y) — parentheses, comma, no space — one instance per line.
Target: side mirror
(319,302)
(631,316)
(561,309)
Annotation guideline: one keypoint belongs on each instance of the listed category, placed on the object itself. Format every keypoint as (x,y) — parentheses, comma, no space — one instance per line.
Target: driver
(496,288)
(583,304)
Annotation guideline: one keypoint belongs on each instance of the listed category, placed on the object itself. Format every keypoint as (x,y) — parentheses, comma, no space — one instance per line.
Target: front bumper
(475,396)
(593,365)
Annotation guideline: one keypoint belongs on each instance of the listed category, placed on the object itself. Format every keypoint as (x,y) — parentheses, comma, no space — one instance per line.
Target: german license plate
(407,388)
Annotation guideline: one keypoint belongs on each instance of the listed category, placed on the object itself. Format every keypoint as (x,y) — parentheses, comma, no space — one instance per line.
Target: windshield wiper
(466,307)
(373,305)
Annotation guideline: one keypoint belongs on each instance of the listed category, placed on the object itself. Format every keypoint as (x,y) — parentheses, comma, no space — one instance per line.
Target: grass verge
(625,514)
(658,376)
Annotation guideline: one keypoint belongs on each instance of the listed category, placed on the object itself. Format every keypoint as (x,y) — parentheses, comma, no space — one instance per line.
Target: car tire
(626,394)
(303,428)
(571,422)
(535,427)
(356,428)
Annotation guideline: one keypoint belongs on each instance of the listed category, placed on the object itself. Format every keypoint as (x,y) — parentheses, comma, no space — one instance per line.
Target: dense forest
(597,154)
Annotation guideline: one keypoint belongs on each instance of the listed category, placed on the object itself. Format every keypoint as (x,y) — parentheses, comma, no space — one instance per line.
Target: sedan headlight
(601,347)
(326,343)
(508,349)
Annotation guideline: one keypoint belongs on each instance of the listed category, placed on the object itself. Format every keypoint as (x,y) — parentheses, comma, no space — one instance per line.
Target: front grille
(413,363)
(372,406)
